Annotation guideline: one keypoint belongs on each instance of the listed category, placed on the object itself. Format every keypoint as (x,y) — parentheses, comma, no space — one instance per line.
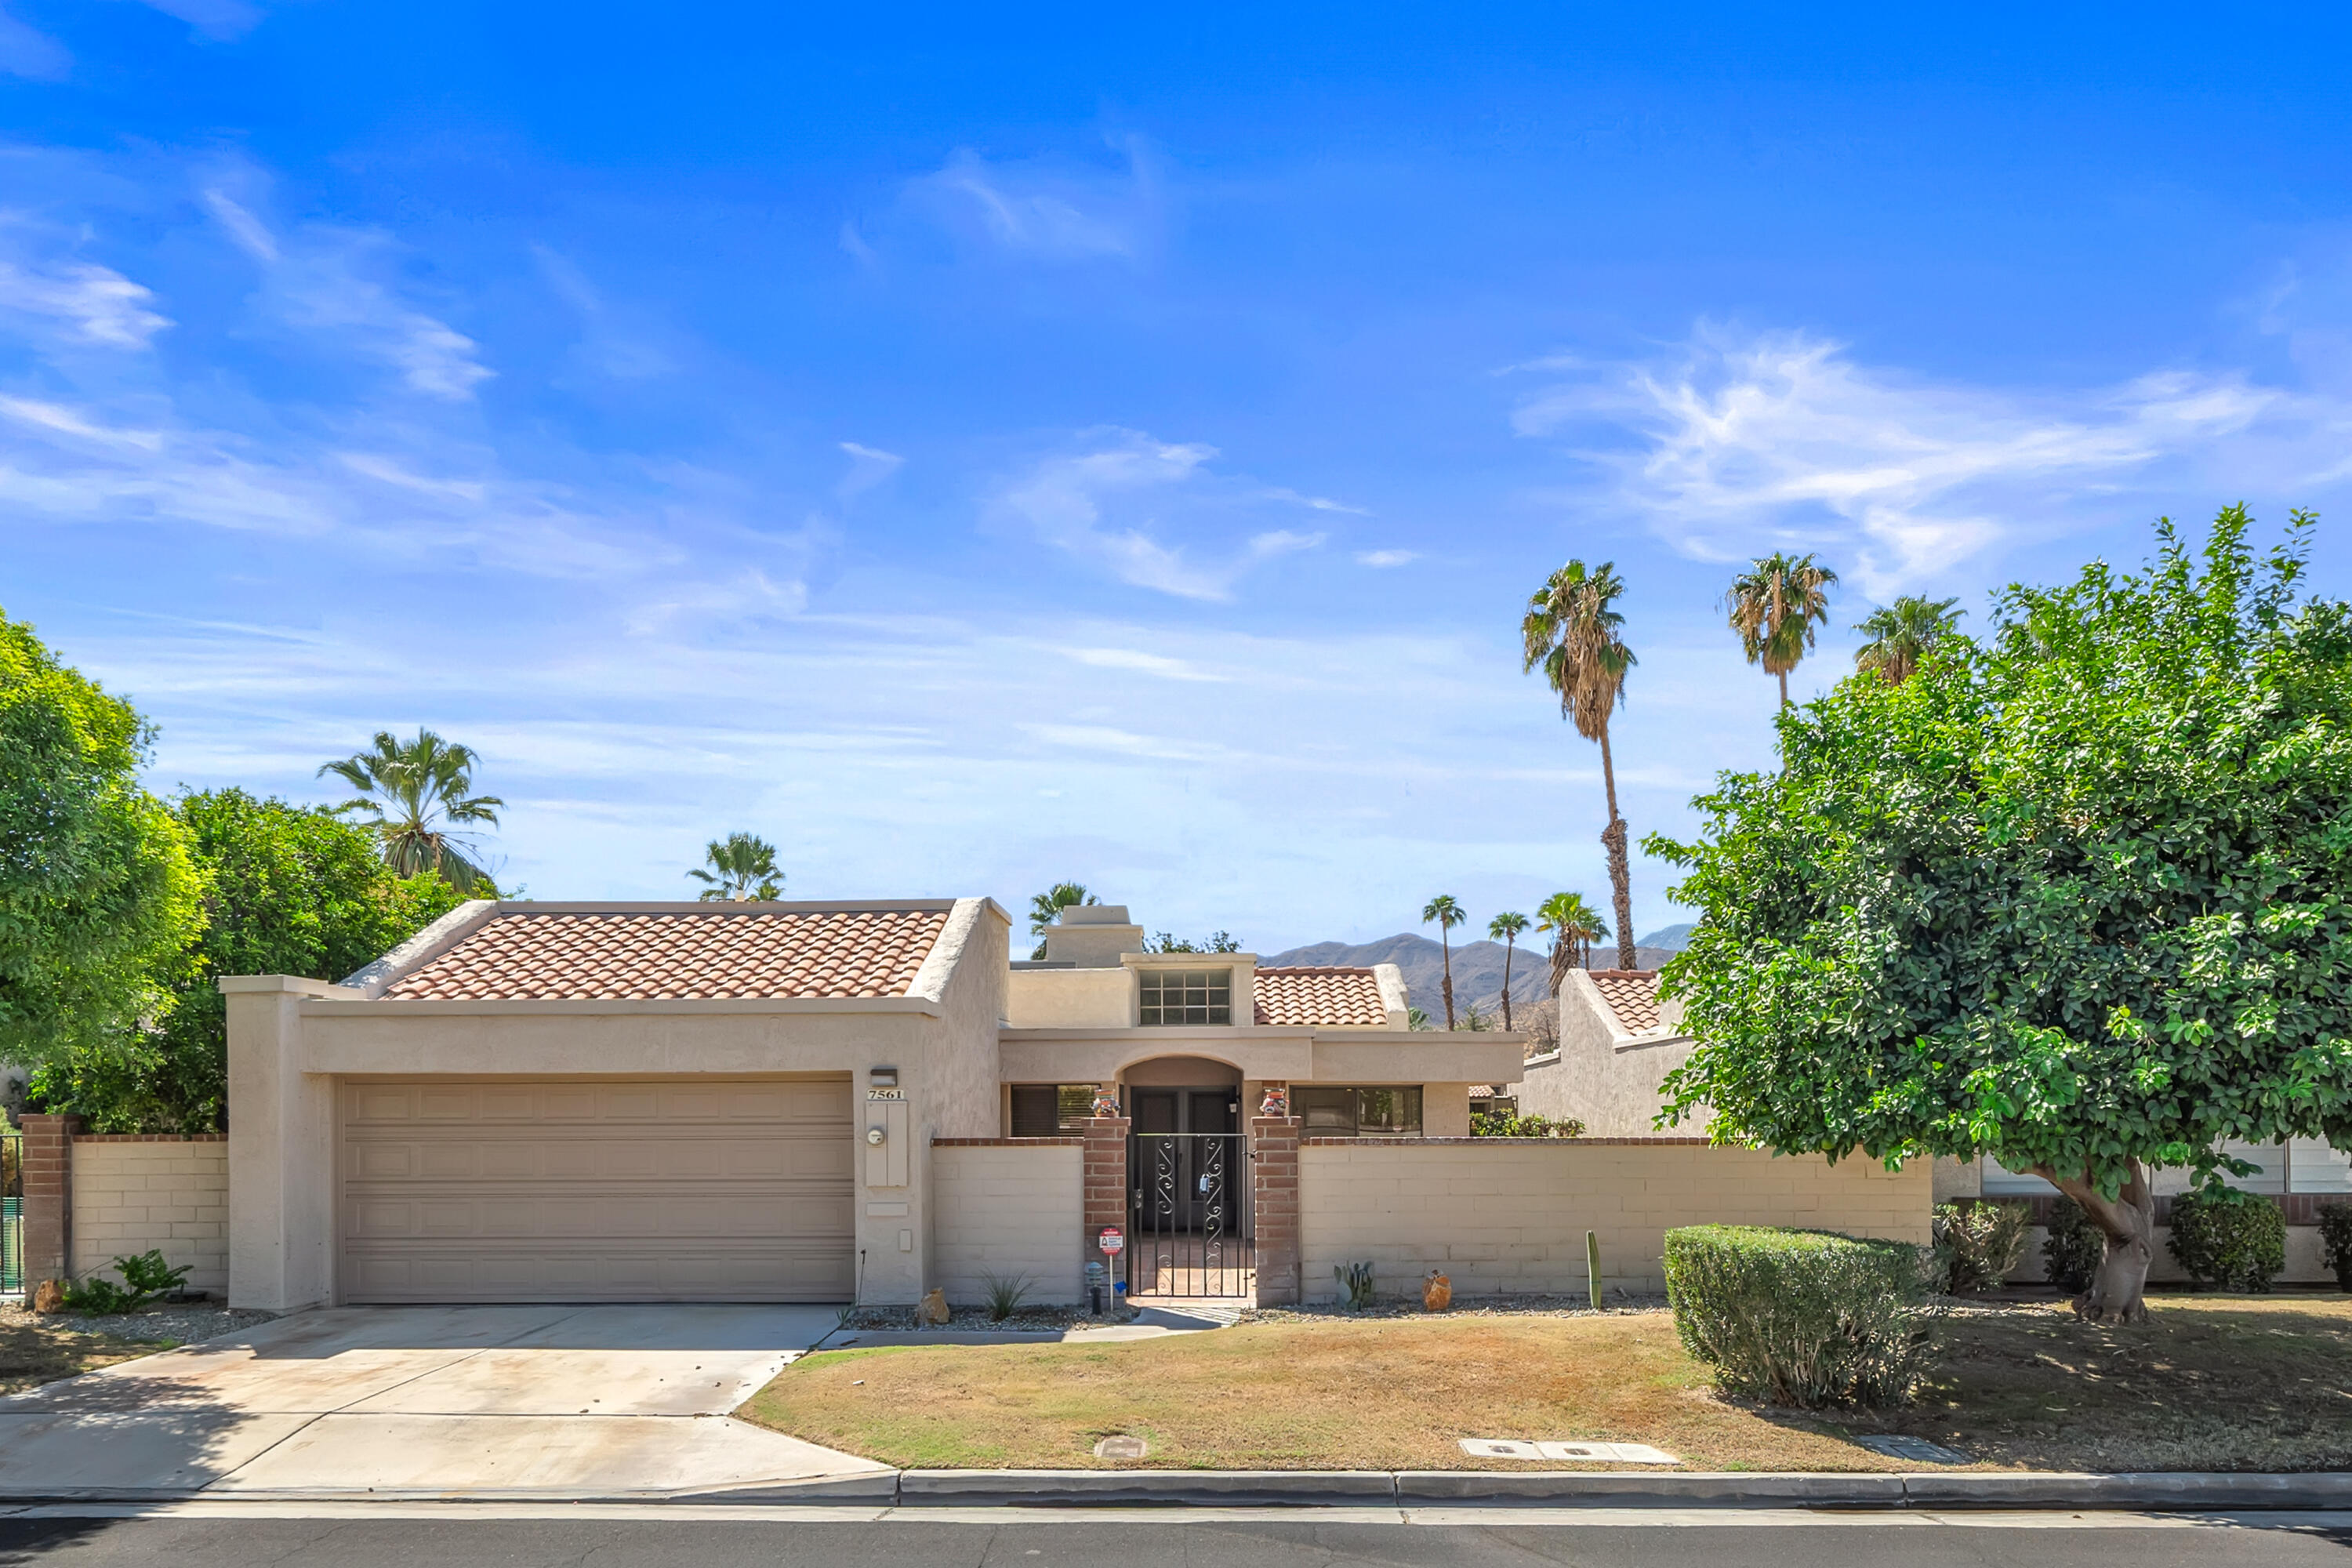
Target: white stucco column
(282,1149)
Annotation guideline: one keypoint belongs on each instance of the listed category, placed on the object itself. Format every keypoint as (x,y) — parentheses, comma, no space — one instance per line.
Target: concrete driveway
(437,1402)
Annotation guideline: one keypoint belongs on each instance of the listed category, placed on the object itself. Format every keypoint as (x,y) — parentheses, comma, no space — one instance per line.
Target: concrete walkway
(432,1402)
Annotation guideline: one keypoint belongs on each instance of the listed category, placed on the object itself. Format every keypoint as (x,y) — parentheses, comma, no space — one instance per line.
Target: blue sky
(975,452)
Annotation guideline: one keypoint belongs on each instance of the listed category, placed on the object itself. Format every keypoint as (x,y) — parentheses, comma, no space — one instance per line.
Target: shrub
(147,1277)
(1802,1317)
(1977,1247)
(1504,1124)
(2229,1238)
(2336,1234)
(2072,1251)
(1355,1285)
(1006,1294)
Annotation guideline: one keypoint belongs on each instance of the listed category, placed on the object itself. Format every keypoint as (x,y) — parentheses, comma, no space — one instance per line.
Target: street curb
(971,1488)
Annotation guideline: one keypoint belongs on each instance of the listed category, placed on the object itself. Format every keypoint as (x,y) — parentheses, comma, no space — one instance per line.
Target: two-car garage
(701,1188)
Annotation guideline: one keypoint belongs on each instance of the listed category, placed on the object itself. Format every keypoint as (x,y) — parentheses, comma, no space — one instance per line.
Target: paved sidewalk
(490,1402)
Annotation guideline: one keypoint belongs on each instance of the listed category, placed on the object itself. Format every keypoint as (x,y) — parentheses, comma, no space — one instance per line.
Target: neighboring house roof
(1632,994)
(1332,995)
(691,955)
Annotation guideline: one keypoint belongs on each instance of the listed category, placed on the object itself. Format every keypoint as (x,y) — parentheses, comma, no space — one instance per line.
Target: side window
(1327,1113)
(1354,1112)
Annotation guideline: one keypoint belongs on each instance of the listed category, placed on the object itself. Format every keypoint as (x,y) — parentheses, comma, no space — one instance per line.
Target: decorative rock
(934,1310)
(1436,1292)
(50,1297)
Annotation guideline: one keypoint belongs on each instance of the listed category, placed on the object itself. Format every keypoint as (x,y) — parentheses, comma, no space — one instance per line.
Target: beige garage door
(672,1189)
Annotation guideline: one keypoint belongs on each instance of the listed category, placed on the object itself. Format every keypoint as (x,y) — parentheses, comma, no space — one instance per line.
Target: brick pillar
(1273,1201)
(1106,1187)
(49,1198)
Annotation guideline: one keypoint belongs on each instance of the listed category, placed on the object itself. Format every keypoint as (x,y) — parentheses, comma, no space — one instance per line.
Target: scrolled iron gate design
(1188,1230)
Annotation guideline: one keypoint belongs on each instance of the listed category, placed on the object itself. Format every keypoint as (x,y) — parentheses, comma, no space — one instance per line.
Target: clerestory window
(1188,995)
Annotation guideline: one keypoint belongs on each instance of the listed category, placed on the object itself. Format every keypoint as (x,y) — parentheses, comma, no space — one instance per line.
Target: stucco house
(795,1102)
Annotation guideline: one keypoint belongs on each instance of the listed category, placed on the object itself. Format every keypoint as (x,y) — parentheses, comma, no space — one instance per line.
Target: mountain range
(1477,966)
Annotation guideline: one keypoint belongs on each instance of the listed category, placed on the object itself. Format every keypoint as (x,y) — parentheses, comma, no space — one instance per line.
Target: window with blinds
(1050,1110)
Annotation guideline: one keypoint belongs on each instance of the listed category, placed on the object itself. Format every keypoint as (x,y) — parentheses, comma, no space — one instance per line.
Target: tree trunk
(1507,946)
(1448,944)
(2118,1291)
(1620,870)
(1563,959)
(1784,686)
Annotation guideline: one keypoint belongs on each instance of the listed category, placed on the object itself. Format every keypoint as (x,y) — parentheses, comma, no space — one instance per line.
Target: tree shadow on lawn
(2209,1382)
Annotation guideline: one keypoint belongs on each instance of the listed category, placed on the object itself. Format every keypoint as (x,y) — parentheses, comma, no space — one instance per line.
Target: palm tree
(1447,914)
(1774,606)
(1901,634)
(1575,926)
(1505,928)
(413,792)
(1046,908)
(1571,631)
(742,868)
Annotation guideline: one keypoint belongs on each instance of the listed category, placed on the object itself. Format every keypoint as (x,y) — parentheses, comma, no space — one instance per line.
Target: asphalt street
(1147,1540)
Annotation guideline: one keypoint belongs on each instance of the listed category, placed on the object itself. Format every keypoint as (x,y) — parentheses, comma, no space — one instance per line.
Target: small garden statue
(1105,1101)
(1436,1292)
(1276,1101)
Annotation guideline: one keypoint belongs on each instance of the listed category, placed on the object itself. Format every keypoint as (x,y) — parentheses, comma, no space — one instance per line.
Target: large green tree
(288,889)
(1573,631)
(97,896)
(2078,897)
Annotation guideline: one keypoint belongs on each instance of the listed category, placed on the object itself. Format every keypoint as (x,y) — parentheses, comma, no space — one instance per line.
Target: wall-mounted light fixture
(882,1078)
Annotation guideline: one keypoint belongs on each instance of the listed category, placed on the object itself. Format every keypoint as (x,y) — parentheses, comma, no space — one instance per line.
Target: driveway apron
(490,1402)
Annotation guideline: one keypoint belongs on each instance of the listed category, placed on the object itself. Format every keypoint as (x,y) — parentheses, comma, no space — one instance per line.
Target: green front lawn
(2225,1383)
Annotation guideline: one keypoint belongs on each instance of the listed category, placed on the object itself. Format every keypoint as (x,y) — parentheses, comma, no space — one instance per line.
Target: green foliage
(1977,1246)
(1802,1317)
(417,796)
(2229,1238)
(2071,1247)
(2335,1236)
(1355,1285)
(1168,942)
(2079,898)
(1006,1293)
(1046,908)
(97,896)
(741,867)
(287,890)
(1504,1124)
(147,1278)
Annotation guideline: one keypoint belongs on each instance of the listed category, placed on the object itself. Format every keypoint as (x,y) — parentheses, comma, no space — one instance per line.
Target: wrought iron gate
(1187,1215)
(12,1213)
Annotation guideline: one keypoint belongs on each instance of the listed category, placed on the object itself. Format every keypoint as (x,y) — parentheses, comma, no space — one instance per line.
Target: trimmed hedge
(1978,1246)
(2336,1234)
(1802,1317)
(2228,1239)
(2073,1247)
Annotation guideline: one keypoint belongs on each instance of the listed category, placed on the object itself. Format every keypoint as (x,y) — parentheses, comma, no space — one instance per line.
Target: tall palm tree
(742,868)
(414,794)
(1901,634)
(1774,606)
(1575,926)
(1505,928)
(1571,631)
(1447,914)
(1047,907)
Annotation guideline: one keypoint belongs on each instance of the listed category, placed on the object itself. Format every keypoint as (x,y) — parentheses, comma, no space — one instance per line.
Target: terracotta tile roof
(679,955)
(1333,994)
(1632,994)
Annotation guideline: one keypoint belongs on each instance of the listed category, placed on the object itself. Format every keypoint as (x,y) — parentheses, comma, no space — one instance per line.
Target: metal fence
(12,1213)
(1187,1213)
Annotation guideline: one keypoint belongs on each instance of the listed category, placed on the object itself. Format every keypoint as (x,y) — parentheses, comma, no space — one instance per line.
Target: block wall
(1008,1206)
(1509,1215)
(138,1193)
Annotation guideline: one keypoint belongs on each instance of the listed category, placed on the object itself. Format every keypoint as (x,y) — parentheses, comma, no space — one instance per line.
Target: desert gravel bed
(182,1324)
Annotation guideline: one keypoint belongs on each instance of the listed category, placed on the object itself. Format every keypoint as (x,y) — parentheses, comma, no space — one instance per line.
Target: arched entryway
(1188,1180)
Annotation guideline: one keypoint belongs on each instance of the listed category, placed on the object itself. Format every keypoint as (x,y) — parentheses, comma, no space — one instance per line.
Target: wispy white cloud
(1741,442)
(92,303)
(28,52)
(219,19)
(1383,558)
(868,467)
(1038,209)
(1114,499)
(1143,663)
(318,283)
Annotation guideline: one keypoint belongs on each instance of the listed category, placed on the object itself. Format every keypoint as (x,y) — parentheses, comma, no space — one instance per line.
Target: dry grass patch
(2237,1383)
(34,1351)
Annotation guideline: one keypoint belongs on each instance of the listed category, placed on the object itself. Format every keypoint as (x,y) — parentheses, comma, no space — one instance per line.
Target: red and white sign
(1113,1241)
